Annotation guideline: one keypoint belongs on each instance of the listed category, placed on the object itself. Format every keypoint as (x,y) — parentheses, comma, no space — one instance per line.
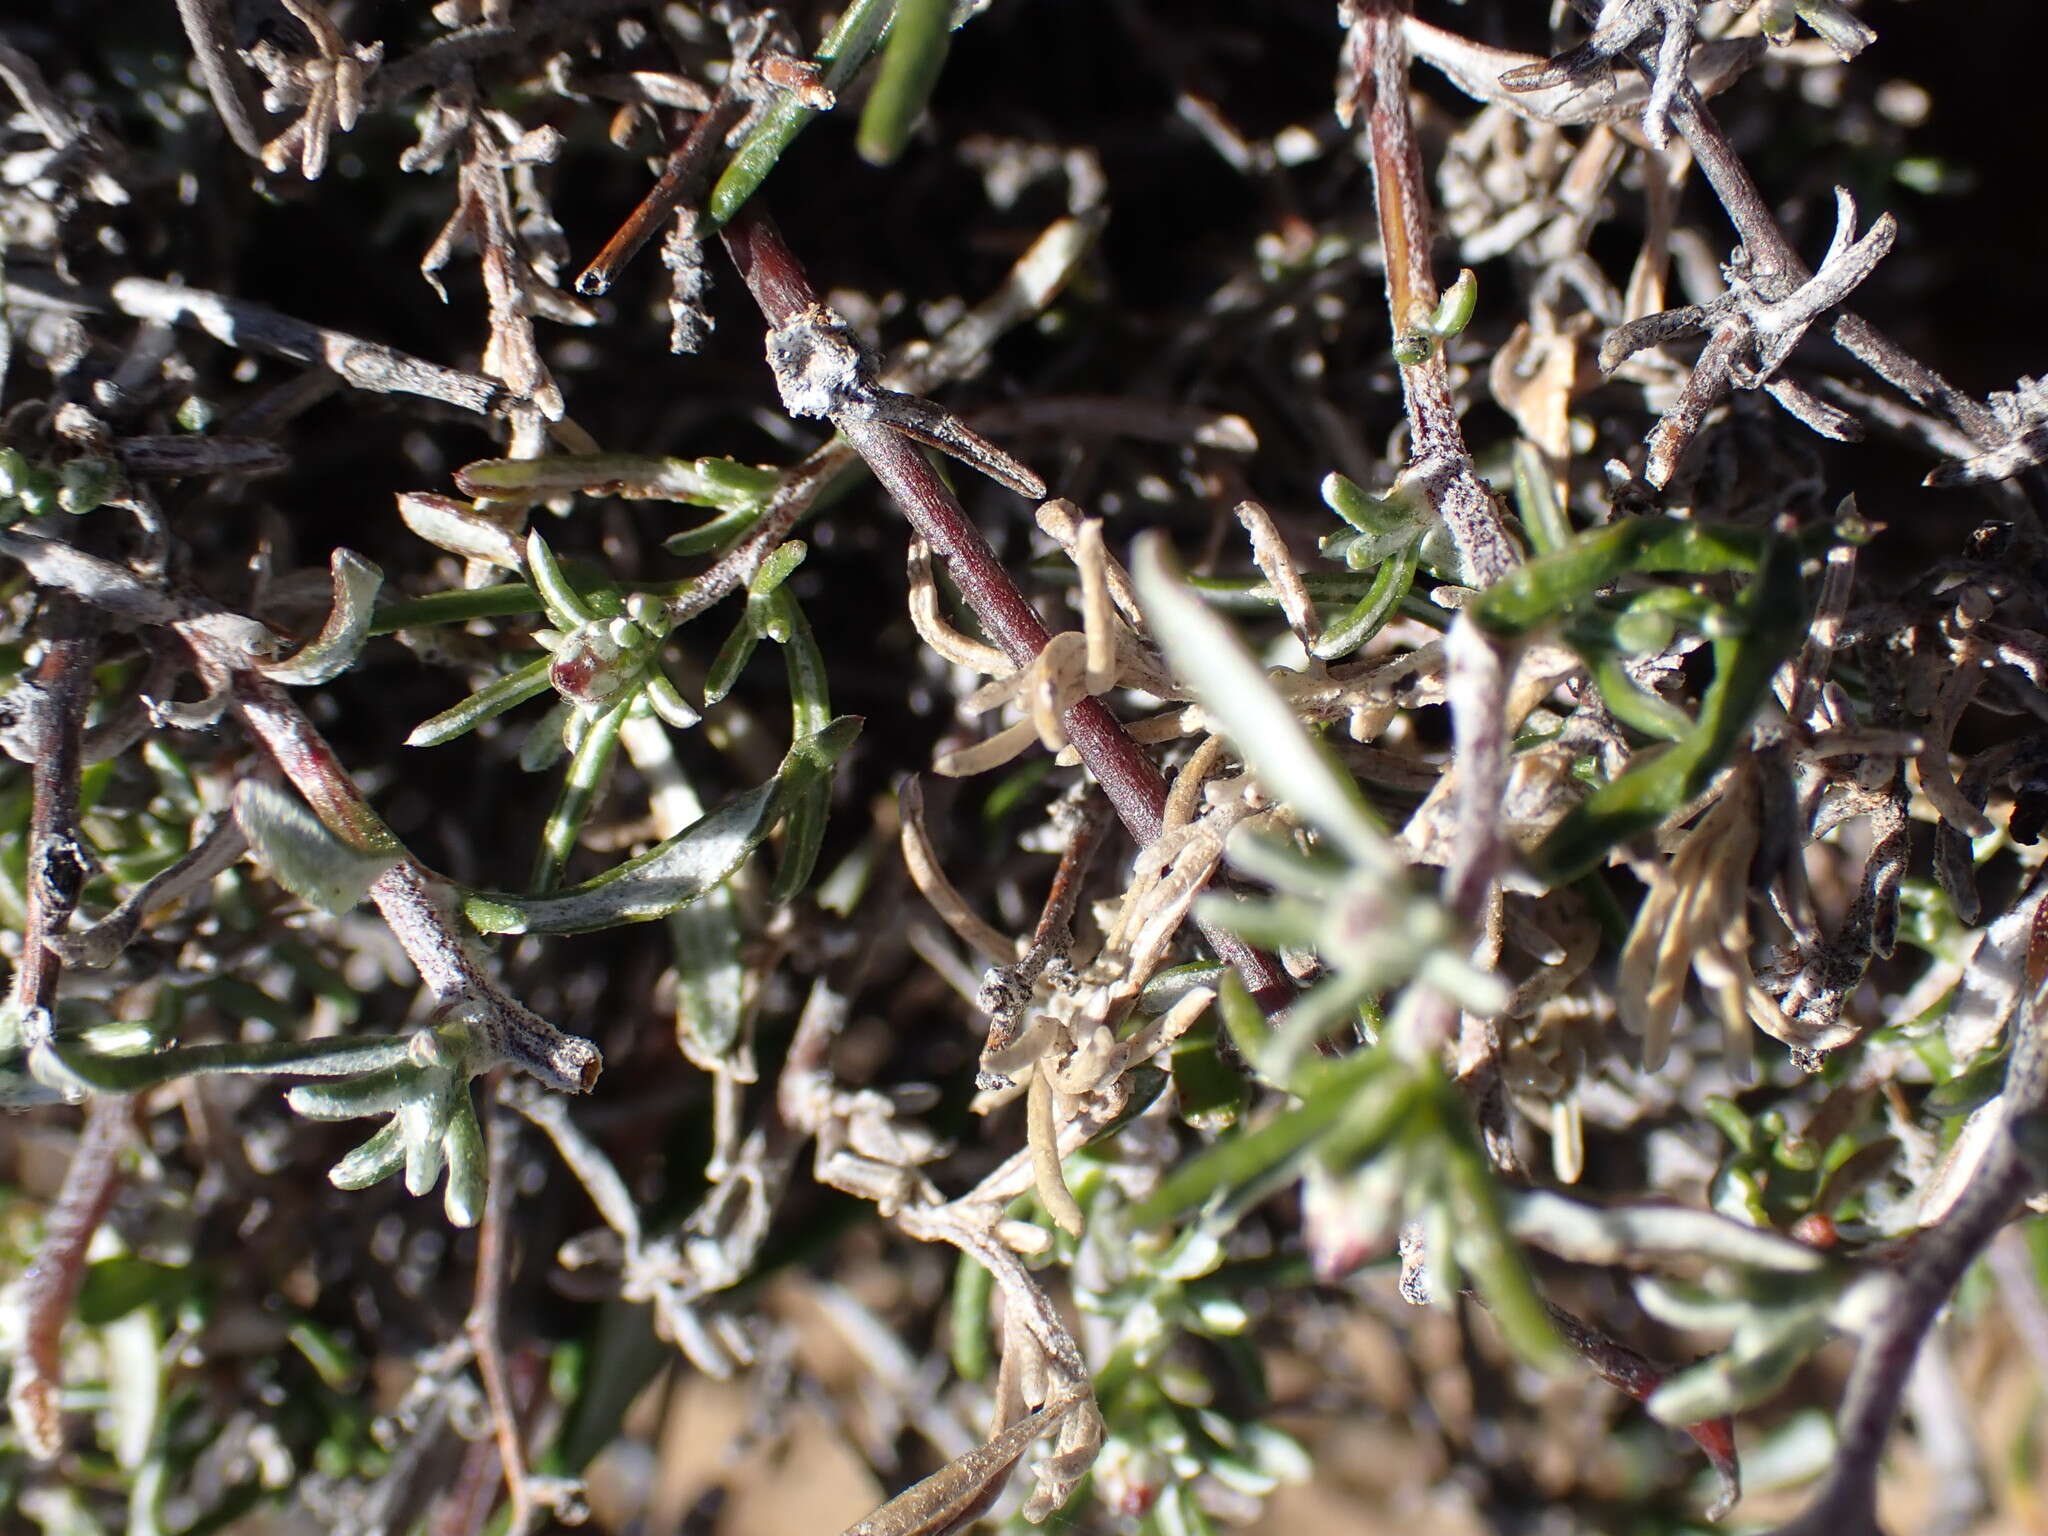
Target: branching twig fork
(1777,268)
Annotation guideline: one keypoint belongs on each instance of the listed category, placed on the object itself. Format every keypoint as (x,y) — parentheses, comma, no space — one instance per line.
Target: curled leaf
(334,650)
(462,529)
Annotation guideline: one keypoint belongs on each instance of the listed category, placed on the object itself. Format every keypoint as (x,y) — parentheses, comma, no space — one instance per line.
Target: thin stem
(1376,62)
(493,1255)
(1847,1502)
(679,178)
(56,862)
(361,363)
(51,1282)
(210,28)
(419,907)
(1128,776)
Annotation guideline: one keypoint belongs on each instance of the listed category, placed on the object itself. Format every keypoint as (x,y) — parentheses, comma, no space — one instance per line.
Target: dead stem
(531,1496)
(680,178)
(1778,269)
(210,28)
(254,328)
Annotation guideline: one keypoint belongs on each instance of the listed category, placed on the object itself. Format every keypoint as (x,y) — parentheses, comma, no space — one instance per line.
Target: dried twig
(419,906)
(59,694)
(361,364)
(531,1495)
(209,27)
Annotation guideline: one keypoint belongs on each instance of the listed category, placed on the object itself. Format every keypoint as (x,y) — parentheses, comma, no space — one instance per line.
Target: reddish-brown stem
(51,1282)
(1128,776)
(418,906)
(684,167)
(493,1257)
(56,873)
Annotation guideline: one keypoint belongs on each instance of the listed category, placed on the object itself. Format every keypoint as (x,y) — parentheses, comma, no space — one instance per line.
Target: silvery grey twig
(257,328)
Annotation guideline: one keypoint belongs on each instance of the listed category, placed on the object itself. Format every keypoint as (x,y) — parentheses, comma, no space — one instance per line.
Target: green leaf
(968,1327)
(1773,621)
(731,660)
(1976,1085)
(433,1121)
(708,482)
(1491,1256)
(489,701)
(1235,692)
(372,1162)
(301,854)
(807,801)
(1631,703)
(512,599)
(461,529)
(1454,310)
(845,48)
(96,1072)
(911,61)
(1543,519)
(588,765)
(1588,1234)
(1251,1156)
(1752,1370)
(114,1287)
(1382,526)
(565,605)
(674,873)
(707,536)
(1544,588)
(1369,616)
(777,568)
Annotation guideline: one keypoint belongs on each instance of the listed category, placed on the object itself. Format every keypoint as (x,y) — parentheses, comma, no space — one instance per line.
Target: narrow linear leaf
(1234,690)
(1773,620)
(461,529)
(670,875)
(1542,589)
(1390,584)
(845,49)
(489,701)
(911,60)
(508,600)
(706,482)
(1247,1156)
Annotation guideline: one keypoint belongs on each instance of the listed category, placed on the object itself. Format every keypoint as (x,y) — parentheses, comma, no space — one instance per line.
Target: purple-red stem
(1128,776)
